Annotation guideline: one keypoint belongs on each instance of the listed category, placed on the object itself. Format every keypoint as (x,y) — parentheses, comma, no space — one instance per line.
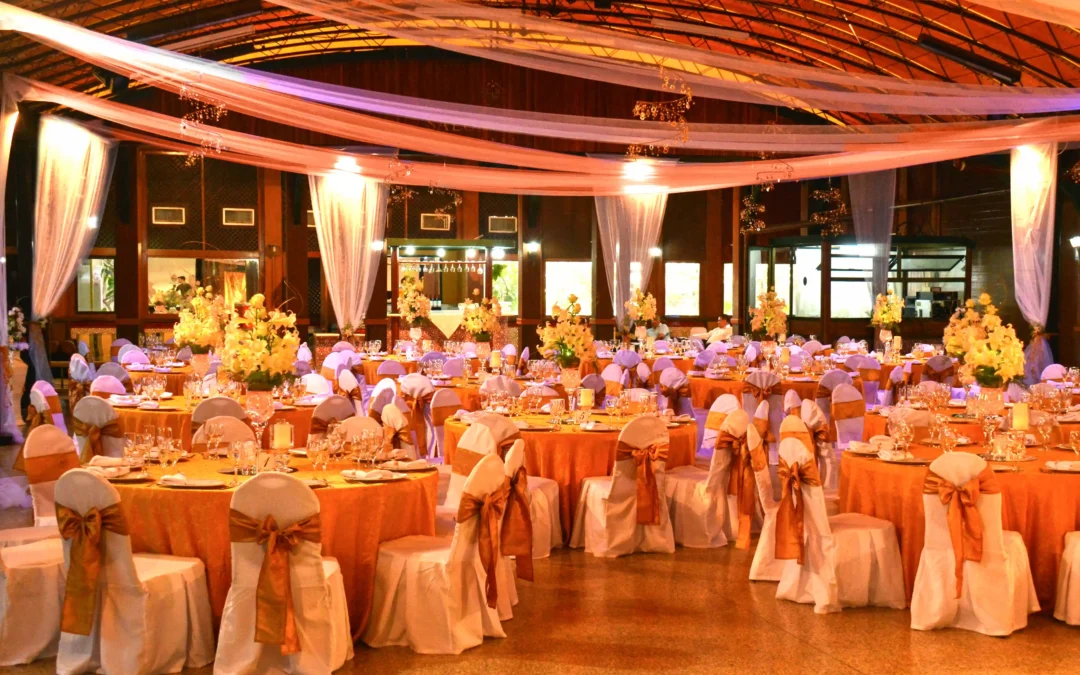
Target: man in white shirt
(722,332)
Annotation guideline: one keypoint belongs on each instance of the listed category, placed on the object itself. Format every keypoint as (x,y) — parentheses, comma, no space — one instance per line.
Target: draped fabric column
(1033,183)
(9,114)
(873,196)
(350,217)
(629,226)
(74,169)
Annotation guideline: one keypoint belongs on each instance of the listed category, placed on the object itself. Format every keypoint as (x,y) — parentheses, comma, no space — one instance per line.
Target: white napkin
(400,464)
(163,370)
(884,453)
(860,447)
(1063,465)
(546,408)
(101,460)
(957,403)
(118,398)
(963,440)
(684,418)
(176,364)
(588,426)
(109,471)
(278,405)
(398,454)
(885,410)
(174,479)
(375,474)
(1070,417)
(881,442)
(149,405)
(521,424)
(695,373)
(139,367)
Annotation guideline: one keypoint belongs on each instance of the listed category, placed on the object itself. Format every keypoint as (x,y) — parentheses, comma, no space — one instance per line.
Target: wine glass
(1074,442)
(948,439)
(319,454)
(235,448)
(1044,429)
(989,427)
(176,451)
(259,410)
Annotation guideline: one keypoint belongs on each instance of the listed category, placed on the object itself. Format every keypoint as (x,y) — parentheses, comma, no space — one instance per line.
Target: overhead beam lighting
(980,64)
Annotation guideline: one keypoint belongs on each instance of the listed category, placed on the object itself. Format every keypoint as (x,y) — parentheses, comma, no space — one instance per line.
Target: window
(504,285)
(96,285)
(682,288)
(806,283)
(729,288)
(852,272)
(564,278)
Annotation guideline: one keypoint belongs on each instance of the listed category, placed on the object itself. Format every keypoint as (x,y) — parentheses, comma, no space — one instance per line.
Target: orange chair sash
(87,550)
(763,393)
(848,410)
(804,436)
(822,392)
(416,418)
(490,509)
(612,388)
(715,420)
(741,482)
(505,444)
(36,418)
(464,461)
(890,384)
(373,414)
(93,433)
(440,414)
(320,426)
(789,515)
(77,391)
(762,426)
(517,529)
(965,523)
(931,375)
(870,374)
(396,438)
(355,394)
(673,394)
(47,468)
(648,496)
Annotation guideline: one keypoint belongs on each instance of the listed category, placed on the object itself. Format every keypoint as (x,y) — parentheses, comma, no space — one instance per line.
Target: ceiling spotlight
(440,253)
(470,253)
(377,245)
(656,251)
(497,253)
(532,247)
(410,250)
(347,164)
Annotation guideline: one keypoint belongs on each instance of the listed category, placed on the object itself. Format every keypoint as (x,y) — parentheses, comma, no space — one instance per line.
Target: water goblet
(1074,442)
(1044,429)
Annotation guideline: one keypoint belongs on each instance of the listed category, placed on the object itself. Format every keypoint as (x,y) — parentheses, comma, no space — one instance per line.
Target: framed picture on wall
(435,221)
(168,215)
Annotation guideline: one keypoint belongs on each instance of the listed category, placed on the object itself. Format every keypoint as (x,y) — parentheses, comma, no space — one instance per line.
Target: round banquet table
(916,370)
(681,362)
(1042,507)
(469,390)
(174,414)
(704,391)
(356,519)
(370,368)
(174,379)
(878,425)
(571,455)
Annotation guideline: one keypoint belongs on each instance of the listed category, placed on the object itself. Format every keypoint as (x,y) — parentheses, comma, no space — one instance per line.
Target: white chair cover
(998,592)
(812,347)
(79,369)
(44,399)
(501,383)
(523,362)
(597,384)
(1054,371)
(765,380)
(419,387)
(828,382)
(342,346)
(853,363)
(332,364)
(84,349)
(397,421)
(97,412)
(661,364)
(232,429)
(316,385)
(851,560)
(698,343)
(675,379)
(432,356)
(752,352)
(444,404)
(332,408)
(797,359)
(303,353)
(430,591)
(468,349)
(124,350)
(318,590)
(792,402)
(217,406)
(184,354)
(1067,598)
(45,441)
(614,374)
(843,340)
(814,419)
(108,385)
(870,372)
(390,369)
(851,428)
(348,383)
(703,360)
(115,370)
(606,522)
(937,364)
(454,367)
(153,611)
(133,355)
(31,585)
(626,359)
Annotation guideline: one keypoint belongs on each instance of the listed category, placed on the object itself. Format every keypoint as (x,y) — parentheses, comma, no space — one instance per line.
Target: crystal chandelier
(830,219)
(204,110)
(672,113)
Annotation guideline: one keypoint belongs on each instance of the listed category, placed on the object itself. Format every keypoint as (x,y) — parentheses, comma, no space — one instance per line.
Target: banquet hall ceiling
(880,37)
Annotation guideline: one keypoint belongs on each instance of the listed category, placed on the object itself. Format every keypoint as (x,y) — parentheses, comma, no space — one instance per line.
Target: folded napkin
(149,405)
(278,405)
(109,471)
(683,418)
(713,376)
(374,474)
(957,403)
(885,410)
(588,426)
(177,364)
(546,408)
(173,479)
(695,373)
(884,453)
(103,461)
(117,398)
(164,369)
(963,440)
(860,447)
(882,442)
(462,414)
(398,454)
(139,367)
(1063,465)
(405,464)
(1070,417)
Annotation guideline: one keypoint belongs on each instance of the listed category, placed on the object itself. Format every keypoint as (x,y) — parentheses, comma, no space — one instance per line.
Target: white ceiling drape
(873,196)
(629,226)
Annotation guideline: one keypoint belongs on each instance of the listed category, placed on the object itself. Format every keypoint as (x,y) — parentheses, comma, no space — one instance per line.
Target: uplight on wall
(377,245)
(1075,243)
(440,252)
(532,247)
(498,253)
(470,253)
(410,250)
(656,251)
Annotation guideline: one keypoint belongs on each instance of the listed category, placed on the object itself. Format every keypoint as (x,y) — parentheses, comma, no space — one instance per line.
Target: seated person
(723,330)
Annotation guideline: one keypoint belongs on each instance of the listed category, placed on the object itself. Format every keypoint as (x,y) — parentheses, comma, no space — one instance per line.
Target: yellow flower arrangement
(202,323)
(568,339)
(988,350)
(261,345)
(888,311)
(480,319)
(769,316)
(641,308)
(413,306)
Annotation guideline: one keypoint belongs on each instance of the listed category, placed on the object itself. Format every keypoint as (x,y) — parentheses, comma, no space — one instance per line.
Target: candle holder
(281,441)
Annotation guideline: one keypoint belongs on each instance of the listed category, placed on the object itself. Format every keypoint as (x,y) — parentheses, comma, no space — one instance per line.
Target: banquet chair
(615,379)
(843,340)
(124,350)
(662,346)
(823,393)
(610,520)
(184,355)
(626,359)
(383,396)
(332,365)
(133,355)
(846,415)
(939,368)
(84,349)
(217,406)
(660,365)
(1054,372)
(117,371)
(232,429)
(150,613)
(792,402)
(417,391)
(468,349)
(94,421)
(870,374)
(853,363)
(301,368)
(477,441)
(503,431)
(761,386)
(333,408)
(444,405)
(714,417)
(703,360)
(717,348)
(991,593)
(79,369)
(850,560)
(824,449)
(501,383)
(812,347)
(31,585)
(797,359)
(674,390)
(1067,598)
(48,452)
(509,350)
(641,376)
(390,369)
(763,566)
(898,377)
(698,343)
(737,340)
(44,407)
(543,505)
(523,361)
(429,592)
(598,385)
(454,367)
(315,384)
(352,388)
(752,352)
(698,498)
(106,386)
(396,427)
(432,356)
(279,502)
(342,346)
(303,353)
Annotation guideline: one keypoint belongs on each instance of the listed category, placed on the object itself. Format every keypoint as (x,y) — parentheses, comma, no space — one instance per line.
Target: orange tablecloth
(355,520)
(571,455)
(174,379)
(1041,507)
(704,391)
(877,425)
(370,369)
(469,391)
(684,364)
(175,415)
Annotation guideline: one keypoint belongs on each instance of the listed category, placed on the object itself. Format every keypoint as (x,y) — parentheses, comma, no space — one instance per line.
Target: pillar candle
(281,437)
(496,360)
(586,398)
(896,343)
(1020,416)
(785,356)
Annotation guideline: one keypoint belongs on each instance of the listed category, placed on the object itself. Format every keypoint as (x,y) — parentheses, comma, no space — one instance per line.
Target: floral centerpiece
(260,345)
(413,306)
(173,299)
(888,313)
(202,323)
(988,350)
(770,315)
(16,325)
(569,340)
(480,319)
(640,314)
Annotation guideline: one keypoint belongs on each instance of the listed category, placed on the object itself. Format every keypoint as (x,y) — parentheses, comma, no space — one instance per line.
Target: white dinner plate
(195,484)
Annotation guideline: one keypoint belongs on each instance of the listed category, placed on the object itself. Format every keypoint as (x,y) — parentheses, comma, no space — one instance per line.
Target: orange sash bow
(505,444)
(77,391)
(416,417)
(440,414)
(763,393)
(374,414)
(715,420)
(741,482)
(354,394)
(320,426)
(36,418)
(93,433)
(648,496)
(517,529)
(822,392)
(762,426)
(931,375)
(890,383)
(87,549)
(847,410)
(612,388)
(790,513)
(965,523)
(490,508)
(396,438)
(870,374)
(464,461)
(275,616)
(673,394)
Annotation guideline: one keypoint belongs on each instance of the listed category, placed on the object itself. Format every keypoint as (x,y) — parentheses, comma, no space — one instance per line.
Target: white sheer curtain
(74,169)
(350,217)
(629,226)
(1034,190)
(9,114)
(873,196)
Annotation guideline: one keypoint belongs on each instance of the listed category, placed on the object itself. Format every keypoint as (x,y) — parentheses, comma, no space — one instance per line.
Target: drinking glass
(176,451)
(1044,429)
(948,439)
(214,432)
(1074,442)
(235,449)
(558,407)
(989,428)
(320,457)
